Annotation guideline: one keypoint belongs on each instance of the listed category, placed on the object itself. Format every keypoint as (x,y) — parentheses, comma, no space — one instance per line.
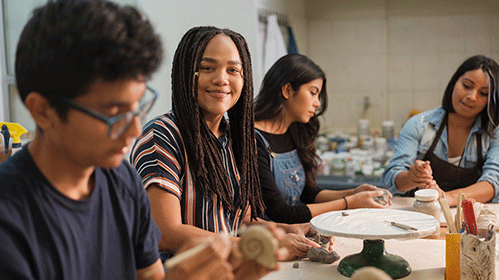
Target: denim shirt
(416,137)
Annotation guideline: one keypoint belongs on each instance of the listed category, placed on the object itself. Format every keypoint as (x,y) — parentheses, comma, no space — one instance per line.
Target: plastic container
(350,167)
(363,127)
(368,143)
(427,203)
(338,164)
(387,129)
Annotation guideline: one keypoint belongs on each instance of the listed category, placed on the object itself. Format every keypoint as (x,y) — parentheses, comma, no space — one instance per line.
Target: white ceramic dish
(371,224)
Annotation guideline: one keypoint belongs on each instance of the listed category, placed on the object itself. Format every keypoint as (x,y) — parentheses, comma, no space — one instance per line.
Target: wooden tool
(469,217)
(457,220)
(185,255)
(448,216)
(402,226)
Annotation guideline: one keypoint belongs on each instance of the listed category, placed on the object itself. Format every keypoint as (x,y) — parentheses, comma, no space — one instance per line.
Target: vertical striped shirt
(160,158)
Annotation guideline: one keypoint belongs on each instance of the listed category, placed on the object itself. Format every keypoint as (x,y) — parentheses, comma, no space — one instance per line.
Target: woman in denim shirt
(453,148)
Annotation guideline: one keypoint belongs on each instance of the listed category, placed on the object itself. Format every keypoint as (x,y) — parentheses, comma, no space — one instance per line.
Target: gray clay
(382,199)
(322,240)
(296,265)
(322,255)
(331,257)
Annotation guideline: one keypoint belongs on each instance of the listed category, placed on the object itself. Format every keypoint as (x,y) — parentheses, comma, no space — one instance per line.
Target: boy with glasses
(70,208)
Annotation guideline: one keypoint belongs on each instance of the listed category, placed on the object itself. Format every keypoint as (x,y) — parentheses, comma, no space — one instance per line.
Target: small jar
(387,129)
(426,202)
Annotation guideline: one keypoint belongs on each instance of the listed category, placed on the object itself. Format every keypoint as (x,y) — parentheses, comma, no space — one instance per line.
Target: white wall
(175,17)
(401,54)
(295,13)
(15,15)
(3,114)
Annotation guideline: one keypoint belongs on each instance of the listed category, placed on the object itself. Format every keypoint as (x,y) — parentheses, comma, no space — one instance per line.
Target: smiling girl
(198,166)
(453,148)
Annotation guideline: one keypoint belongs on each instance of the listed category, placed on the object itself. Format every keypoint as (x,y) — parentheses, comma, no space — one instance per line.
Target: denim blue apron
(288,173)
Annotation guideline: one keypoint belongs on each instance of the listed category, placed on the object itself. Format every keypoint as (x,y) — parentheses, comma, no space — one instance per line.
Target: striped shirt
(160,158)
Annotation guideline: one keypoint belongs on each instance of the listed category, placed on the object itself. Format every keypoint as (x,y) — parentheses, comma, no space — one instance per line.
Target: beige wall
(400,54)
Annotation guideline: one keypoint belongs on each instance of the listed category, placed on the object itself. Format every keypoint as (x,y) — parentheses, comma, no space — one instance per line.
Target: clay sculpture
(259,244)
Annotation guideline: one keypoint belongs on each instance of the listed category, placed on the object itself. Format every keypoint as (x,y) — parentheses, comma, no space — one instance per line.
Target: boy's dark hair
(297,70)
(68,44)
(210,176)
(490,115)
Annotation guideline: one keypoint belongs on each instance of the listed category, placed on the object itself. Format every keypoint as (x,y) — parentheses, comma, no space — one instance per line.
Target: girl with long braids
(292,97)
(200,169)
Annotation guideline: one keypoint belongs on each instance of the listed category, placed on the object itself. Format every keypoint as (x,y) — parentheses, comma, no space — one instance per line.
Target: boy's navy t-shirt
(46,235)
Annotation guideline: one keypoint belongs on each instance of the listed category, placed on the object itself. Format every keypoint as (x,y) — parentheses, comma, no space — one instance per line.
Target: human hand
(297,246)
(250,261)
(364,187)
(210,263)
(295,240)
(324,240)
(332,240)
(365,199)
(420,174)
(433,185)
(303,228)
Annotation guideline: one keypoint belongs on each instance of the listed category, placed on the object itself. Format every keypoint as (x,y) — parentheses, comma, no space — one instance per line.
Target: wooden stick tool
(457,220)
(448,216)
(185,255)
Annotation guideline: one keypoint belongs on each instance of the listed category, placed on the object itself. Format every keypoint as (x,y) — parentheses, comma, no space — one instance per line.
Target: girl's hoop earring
(196,73)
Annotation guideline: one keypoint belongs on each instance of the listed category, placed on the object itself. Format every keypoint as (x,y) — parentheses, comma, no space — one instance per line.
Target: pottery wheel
(371,224)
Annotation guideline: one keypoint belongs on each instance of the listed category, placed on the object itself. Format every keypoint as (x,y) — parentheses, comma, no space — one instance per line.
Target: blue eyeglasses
(117,125)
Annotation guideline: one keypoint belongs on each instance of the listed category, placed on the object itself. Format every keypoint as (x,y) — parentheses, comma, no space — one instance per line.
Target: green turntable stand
(372,225)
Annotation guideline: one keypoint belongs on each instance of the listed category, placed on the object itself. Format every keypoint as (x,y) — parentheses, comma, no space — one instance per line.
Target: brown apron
(449,176)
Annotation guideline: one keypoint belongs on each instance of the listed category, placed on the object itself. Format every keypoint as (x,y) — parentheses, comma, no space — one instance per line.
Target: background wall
(398,54)
(173,18)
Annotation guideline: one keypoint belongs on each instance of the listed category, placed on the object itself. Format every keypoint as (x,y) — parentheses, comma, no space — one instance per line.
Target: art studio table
(426,256)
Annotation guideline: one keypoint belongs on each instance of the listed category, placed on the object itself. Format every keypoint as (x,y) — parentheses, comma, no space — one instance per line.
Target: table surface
(426,256)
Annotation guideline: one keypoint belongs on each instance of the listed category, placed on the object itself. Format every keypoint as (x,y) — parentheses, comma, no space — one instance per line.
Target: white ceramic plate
(371,224)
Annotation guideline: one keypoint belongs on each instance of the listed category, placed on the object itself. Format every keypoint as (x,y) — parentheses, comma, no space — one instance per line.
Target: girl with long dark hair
(292,97)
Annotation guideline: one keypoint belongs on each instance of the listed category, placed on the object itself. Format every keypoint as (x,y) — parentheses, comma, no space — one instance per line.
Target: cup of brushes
(469,253)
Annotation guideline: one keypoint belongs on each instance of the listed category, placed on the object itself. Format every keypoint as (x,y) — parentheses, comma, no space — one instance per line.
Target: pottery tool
(469,216)
(402,226)
(448,216)
(457,220)
(185,255)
